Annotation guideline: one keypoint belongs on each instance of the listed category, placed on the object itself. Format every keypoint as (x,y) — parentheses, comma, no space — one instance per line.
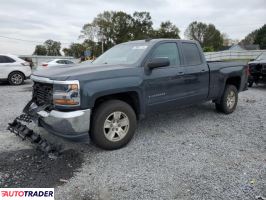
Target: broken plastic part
(24,132)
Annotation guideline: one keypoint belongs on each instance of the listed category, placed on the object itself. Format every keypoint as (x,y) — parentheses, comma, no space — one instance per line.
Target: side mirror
(158,62)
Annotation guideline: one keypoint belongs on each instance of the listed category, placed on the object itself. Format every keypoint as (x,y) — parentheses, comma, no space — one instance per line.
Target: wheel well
(19,72)
(129,97)
(234,81)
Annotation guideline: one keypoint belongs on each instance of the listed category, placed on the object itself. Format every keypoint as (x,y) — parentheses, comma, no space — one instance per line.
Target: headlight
(66,94)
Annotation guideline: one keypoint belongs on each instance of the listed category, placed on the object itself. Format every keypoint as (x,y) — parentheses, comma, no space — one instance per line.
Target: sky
(61,20)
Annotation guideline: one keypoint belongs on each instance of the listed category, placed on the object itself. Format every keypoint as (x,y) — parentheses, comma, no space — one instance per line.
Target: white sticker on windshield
(139,47)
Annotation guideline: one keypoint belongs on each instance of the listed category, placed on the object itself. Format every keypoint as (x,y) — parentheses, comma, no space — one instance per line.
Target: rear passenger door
(196,73)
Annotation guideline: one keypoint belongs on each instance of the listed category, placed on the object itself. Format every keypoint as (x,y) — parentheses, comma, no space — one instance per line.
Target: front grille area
(43,93)
(263,71)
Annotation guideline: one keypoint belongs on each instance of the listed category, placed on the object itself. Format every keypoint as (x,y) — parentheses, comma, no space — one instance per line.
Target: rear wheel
(16,78)
(113,125)
(228,100)
(250,83)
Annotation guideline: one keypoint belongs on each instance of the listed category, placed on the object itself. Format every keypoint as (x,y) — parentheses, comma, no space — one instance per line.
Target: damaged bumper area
(70,125)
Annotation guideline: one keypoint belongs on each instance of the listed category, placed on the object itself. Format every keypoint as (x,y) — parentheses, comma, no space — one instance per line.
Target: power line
(32,41)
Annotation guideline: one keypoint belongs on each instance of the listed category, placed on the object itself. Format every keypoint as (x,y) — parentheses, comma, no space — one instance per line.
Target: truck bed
(219,73)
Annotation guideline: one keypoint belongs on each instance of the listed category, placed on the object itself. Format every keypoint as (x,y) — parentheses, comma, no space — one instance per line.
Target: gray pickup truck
(106,98)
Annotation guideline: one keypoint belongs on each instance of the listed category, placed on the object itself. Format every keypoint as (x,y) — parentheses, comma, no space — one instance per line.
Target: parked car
(55,62)
(13,69)
(126,84)
(257,69)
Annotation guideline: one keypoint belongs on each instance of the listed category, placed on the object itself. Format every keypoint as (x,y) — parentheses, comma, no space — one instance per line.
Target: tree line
(113,27)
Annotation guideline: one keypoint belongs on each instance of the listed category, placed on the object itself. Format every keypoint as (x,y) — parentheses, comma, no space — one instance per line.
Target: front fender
(92,90)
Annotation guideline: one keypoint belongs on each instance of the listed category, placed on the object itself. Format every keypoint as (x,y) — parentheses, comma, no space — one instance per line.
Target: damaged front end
(55,107)
(19,128)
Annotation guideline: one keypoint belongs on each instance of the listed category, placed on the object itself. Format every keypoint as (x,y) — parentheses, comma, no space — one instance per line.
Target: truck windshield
(122,54)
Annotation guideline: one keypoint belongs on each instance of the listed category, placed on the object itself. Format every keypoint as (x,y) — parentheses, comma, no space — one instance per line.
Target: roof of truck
(152,41)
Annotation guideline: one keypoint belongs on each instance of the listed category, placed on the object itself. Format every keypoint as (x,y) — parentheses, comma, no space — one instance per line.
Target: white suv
(14,69)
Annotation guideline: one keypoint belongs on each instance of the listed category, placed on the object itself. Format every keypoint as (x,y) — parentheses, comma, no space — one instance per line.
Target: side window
(5,59)
(9,60)
(191,54)
(2,60)
(60,62)
(168,50)
(69,62)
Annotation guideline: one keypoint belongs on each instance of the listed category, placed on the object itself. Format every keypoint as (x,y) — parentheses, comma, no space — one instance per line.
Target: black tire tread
(16,72)
(222,106)
(100,114)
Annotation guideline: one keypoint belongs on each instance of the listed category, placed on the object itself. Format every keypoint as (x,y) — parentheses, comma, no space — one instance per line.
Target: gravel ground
(191,153)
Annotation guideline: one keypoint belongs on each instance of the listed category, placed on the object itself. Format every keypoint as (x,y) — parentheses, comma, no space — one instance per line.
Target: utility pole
(102,46)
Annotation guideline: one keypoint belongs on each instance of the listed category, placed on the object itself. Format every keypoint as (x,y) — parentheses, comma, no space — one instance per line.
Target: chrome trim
(47,80)
(67,123)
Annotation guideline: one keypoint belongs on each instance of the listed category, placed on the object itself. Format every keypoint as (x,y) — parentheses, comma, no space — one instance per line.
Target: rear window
(6,59)
(191,54)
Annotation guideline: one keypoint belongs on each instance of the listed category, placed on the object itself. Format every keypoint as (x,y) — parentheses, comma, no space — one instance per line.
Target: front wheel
(113,125)
(228,100)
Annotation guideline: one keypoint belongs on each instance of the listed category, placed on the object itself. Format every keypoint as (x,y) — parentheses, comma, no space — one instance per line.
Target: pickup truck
(106,98)
(257,69)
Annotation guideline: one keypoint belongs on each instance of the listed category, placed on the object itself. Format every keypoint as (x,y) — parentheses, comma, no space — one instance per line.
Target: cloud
(62,20)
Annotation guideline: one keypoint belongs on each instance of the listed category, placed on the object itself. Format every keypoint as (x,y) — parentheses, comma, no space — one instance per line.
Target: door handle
(180,73)
(203,70)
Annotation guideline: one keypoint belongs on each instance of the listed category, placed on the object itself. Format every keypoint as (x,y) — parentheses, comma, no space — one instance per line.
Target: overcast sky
(62,20)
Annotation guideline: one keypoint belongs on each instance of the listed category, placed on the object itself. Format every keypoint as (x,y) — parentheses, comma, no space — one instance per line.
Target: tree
(90,31)
(208,49)
(206,34)
(95,47)
(110,28)
(76,50)
(67,52)
(105,25)
(122,27)
(249,39)
(40,50)
(260,37)
(53,48)
(142,25)
(167,30)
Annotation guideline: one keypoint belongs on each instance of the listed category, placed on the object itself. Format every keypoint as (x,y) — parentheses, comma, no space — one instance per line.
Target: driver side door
(164,85)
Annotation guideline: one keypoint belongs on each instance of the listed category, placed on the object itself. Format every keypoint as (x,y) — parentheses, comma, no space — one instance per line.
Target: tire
(113,125)
(250,83)
(16,78)
(228,100)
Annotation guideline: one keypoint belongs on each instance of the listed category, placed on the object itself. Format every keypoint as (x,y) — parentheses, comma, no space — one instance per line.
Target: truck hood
(66,72)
